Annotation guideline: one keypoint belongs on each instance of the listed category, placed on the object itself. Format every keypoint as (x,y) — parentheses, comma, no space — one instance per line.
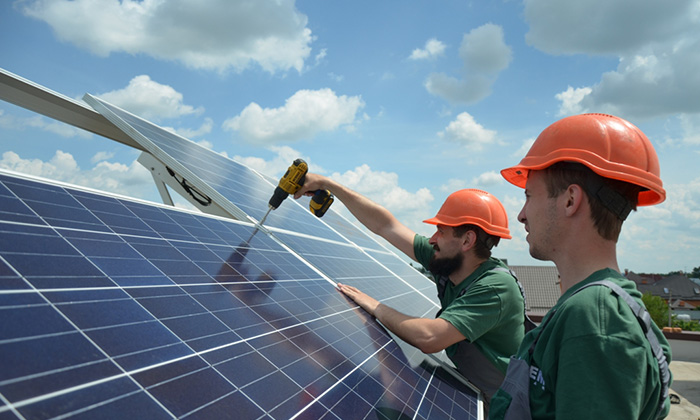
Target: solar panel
(113,307)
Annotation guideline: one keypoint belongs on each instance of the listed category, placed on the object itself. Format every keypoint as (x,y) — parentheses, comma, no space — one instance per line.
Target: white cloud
(487,179)
(132,180)
(321,56)
(484,181)
(691,128)
(683,202)
(304,114)
(12,122)
(606,27)
(336,77)
(571,100)
(454,184)
(657,45)
(100,156)
(454,90)
(484,50)
(150,100)
(411,208)
(465,130)
(433,49)
(202,34)
(518,244)
(522,151)
(665,231)
(485,54)
(284,156)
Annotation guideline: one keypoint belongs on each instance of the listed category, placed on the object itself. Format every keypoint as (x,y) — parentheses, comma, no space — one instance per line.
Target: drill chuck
(290,183)
(277,197)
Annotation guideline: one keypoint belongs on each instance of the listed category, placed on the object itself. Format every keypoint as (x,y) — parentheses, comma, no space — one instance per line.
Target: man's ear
(468,240)
(574,196)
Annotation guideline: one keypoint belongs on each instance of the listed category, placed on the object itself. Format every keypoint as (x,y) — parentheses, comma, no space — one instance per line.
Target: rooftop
(541,284)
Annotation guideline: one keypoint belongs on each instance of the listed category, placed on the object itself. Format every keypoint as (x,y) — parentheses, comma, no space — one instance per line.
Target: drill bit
(265,216)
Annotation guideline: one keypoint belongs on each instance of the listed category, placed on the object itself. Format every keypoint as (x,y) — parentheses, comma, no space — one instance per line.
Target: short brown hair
(484,241)
(608,221)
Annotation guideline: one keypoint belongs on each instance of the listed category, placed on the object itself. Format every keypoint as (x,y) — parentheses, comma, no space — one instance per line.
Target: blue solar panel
(115,308)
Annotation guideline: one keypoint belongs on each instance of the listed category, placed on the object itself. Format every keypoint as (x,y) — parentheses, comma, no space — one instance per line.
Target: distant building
(542,288)
(683,292)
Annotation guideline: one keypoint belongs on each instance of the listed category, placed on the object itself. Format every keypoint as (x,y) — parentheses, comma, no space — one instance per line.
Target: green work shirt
(592,359)
(490,315)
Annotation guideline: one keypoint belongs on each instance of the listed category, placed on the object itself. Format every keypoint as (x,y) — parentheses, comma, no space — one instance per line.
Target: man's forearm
(408,328)
(375,217)
(430,335)
(369,213)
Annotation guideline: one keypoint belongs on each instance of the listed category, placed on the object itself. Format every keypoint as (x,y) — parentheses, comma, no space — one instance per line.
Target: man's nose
(433,240)
(521,216)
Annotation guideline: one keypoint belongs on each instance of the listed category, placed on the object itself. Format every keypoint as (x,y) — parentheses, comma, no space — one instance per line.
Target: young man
(590,357)
(481,321)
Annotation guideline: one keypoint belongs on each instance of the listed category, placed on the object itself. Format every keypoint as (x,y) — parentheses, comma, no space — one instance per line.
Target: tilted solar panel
(116,308)
(233,185)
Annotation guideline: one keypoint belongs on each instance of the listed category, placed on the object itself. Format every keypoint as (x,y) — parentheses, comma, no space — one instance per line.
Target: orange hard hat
(474,207)
(610,146)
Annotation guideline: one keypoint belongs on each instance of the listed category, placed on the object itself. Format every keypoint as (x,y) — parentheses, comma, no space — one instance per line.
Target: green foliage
(695,273)
(658,309)
(691,325)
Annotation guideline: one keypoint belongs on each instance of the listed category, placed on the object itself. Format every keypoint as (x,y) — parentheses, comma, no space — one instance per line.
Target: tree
(658,309)
(695,273)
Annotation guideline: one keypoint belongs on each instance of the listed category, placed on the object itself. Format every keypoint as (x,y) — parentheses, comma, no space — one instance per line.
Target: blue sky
(404,102)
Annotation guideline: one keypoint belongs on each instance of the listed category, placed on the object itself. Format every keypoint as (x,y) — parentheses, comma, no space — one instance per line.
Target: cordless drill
(291,182)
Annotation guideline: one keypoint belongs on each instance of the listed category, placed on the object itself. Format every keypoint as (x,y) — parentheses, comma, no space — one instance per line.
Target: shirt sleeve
(423,250)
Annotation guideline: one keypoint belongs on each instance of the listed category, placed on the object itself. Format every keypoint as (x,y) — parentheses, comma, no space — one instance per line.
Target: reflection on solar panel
(113,307)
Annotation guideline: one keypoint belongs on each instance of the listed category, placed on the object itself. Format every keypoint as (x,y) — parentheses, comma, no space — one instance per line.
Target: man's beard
(446,265)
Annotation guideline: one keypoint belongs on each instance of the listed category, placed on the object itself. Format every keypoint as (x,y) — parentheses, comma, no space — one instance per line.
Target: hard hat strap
(595,187)
(611,199)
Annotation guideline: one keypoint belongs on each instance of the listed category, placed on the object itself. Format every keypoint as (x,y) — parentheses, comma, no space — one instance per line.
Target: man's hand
(366,302)
(313,182)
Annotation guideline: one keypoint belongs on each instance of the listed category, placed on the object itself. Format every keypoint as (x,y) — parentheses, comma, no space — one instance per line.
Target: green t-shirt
(592,359)
(490,314)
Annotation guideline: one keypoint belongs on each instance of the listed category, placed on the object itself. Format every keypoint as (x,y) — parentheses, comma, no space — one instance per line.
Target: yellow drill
(291,182)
